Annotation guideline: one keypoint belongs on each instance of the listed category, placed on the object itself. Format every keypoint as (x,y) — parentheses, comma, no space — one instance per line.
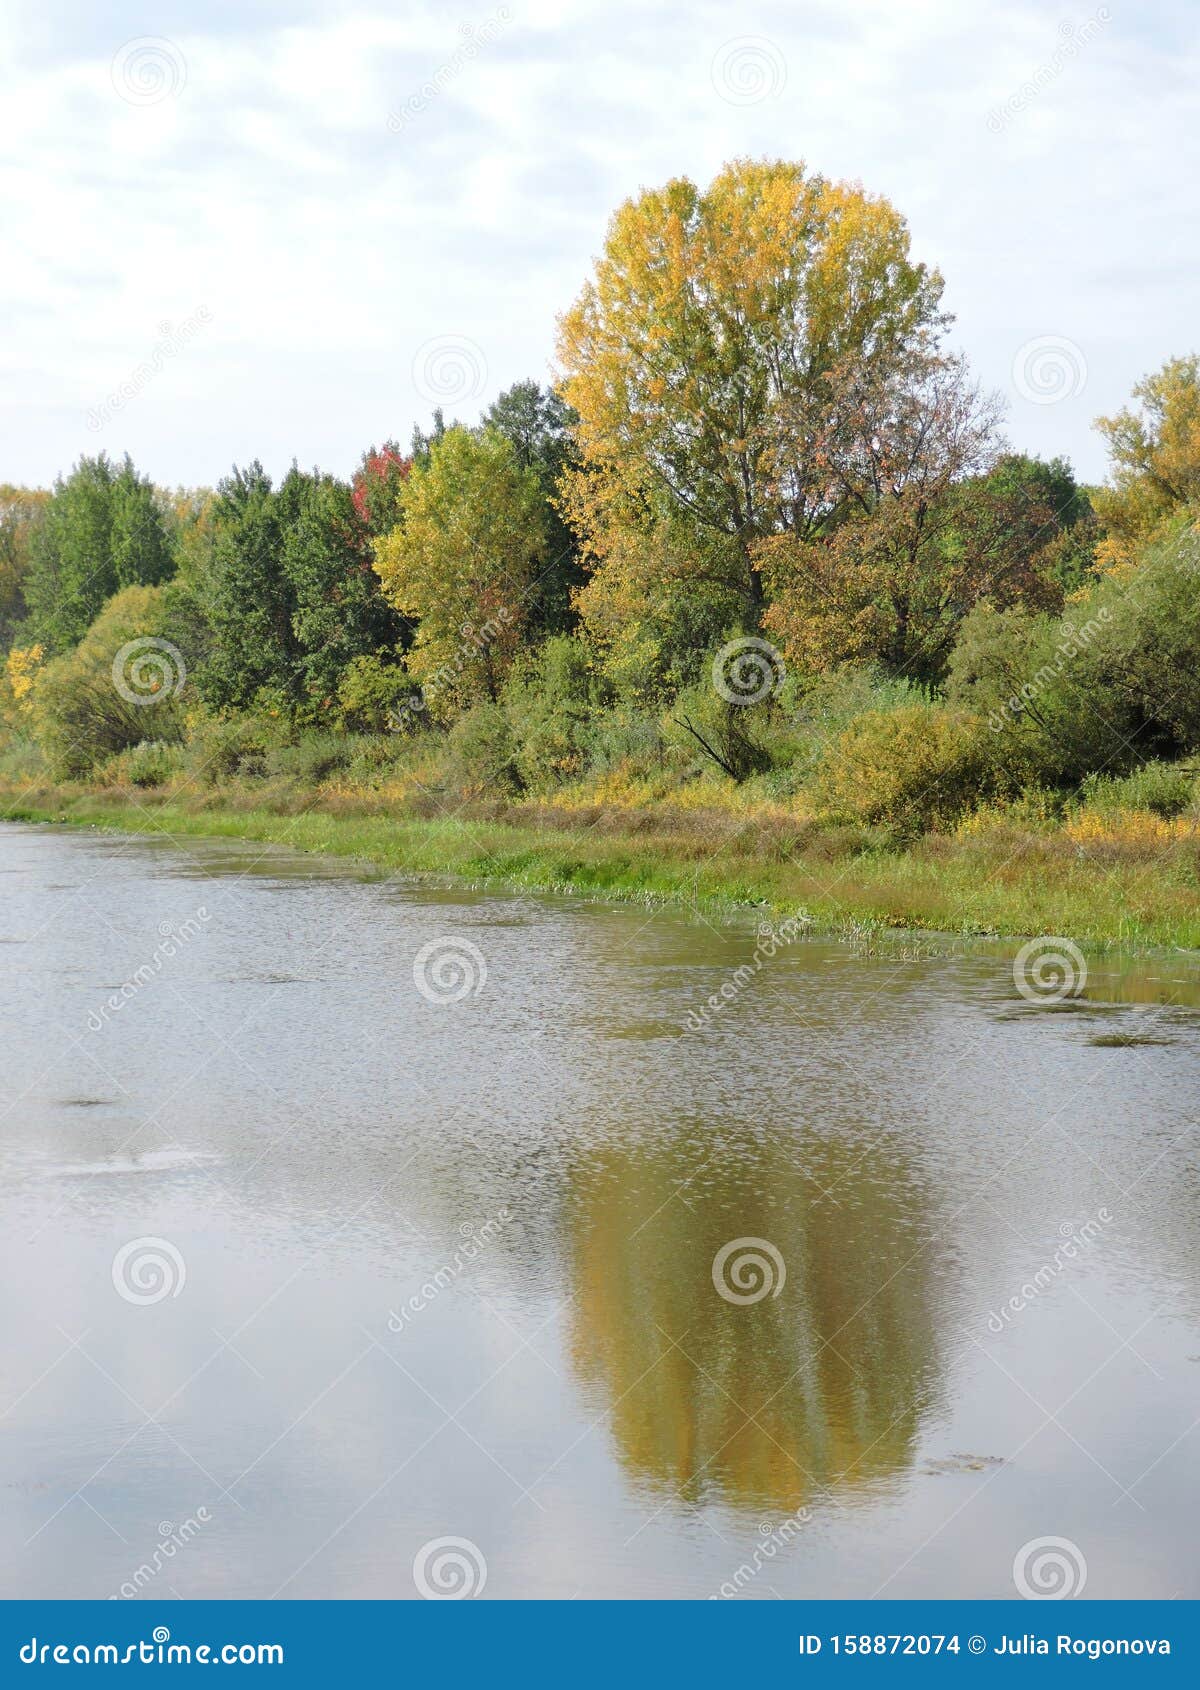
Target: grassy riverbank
(1005,881)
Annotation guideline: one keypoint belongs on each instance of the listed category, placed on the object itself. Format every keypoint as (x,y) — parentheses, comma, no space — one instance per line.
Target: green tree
(289,592)
(541,427)
(246,596)
(104,529)
(21,510)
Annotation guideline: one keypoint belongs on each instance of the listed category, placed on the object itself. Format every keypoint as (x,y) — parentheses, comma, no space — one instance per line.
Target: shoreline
(947,888)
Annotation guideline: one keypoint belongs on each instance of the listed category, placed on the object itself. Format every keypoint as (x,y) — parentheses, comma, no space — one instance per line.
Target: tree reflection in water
(818,1390)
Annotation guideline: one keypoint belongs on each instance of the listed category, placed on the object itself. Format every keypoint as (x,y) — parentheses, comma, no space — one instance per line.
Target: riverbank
(1004,883)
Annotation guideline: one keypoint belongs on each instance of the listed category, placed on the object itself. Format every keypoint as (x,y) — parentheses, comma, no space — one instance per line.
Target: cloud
(268,185)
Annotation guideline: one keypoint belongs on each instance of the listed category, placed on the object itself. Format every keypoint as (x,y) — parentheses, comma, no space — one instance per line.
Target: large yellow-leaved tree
(703,358)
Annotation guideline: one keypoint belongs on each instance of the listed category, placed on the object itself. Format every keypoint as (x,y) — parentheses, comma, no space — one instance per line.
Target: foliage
(1109,685)
(21,669)
(103,529)
(151,763)
(21,510)
(540,426)
(376,694)
(757,430)
(290,593)
(915,767)
(550,700)
(1155,451)
(1164,789)
(913,549)
(701,359)
(471,541)
(483,752)
(87,703)
(377,486)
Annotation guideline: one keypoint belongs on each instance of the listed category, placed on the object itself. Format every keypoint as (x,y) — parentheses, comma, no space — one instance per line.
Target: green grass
(1003,888)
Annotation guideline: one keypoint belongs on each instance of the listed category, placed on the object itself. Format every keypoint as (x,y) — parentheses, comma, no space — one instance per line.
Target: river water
(341,1216)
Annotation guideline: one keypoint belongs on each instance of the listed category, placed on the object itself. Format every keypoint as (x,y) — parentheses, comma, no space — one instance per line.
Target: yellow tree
(700,357)
(468,548)
(1155,453)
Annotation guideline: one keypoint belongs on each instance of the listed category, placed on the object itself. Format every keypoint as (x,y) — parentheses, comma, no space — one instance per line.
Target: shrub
(721,735)
(232,747)
(312,759)
(1103,688)
(482,752)
(377,693)
(549,701)
(124,677)
(150,764)
(1163,789)
(916,767)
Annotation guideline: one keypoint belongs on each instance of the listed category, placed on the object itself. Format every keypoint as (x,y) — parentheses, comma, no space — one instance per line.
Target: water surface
(306,1269)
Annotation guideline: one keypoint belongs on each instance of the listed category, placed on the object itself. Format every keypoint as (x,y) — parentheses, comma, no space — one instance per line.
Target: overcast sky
(303,223)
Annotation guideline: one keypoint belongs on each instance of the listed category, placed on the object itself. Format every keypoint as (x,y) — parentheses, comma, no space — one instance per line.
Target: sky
(236,229)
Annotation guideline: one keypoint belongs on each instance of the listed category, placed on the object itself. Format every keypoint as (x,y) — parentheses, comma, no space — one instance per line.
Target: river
(370,1239)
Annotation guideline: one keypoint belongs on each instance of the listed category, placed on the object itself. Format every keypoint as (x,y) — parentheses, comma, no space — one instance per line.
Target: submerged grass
(1004,885)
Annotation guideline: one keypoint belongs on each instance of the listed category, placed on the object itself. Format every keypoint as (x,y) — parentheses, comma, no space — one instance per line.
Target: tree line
(758,448)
